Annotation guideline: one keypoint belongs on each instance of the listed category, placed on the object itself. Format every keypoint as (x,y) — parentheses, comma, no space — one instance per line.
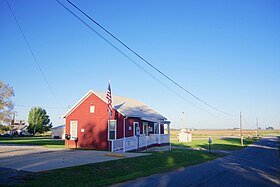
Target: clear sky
(225,52)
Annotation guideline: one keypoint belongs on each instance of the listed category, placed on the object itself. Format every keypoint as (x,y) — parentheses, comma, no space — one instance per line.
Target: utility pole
(241,133)
(257,127)
(182,120)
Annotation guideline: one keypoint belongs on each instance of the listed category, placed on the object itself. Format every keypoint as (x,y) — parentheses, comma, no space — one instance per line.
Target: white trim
(134,131)
(96,94)
(152,119)
(115,129)
(155,124)
(82,100)
(77,104)
(145,125)
(72,137)
(91,109)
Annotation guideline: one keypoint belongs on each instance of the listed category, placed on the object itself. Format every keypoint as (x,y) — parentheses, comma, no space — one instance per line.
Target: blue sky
(225,52)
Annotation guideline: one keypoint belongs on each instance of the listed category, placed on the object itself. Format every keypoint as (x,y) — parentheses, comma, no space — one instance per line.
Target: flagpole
(109,129)
(110,110)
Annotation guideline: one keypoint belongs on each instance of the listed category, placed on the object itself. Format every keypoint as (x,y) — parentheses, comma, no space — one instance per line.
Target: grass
(40,141)
(112,172)
(217,144)
(269,132)
(220,133)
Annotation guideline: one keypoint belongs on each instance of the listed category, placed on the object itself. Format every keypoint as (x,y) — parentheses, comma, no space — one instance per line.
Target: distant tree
(269,128)
(38,120)
(6,104)
(5,128)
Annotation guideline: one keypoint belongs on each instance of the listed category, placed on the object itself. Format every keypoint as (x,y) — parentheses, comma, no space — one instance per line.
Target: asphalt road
(256,165)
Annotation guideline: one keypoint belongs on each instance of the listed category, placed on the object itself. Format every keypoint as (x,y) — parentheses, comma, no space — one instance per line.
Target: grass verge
(112,172)
(217,144)
(41,141)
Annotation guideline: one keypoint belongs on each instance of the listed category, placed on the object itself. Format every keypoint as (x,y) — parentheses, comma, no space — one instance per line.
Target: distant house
(133,125)
(19,127)
(58,132)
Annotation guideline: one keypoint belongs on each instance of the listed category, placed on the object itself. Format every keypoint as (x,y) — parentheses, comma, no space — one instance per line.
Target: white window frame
(156,127)
(91,109)
(115,129)
(71,131)
(134,126)
(145,128)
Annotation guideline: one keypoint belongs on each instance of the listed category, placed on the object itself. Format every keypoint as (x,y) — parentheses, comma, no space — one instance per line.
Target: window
(74,129)
(91,109)
(145,128)
(112,129)
(156,128)
(136,126)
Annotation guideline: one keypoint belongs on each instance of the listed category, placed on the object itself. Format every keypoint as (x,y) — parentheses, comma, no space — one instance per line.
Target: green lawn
(269,132)
(42,141)
(217,144)
(112,172)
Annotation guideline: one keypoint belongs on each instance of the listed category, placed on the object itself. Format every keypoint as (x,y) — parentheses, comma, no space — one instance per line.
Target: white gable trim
(77,104)
(105,101)
(81,101)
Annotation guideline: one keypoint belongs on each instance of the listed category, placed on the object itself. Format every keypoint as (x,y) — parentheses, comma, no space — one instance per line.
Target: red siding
(120,119)
(95,126)
(129,125)
(161,129)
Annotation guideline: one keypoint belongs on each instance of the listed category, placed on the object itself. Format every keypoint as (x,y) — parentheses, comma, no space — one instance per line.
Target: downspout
(124,134)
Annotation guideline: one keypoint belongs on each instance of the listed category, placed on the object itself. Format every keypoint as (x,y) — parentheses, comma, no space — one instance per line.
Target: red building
(131,126)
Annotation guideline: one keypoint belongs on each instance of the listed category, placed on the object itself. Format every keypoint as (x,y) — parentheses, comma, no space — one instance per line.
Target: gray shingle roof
(132,108)
(126,106)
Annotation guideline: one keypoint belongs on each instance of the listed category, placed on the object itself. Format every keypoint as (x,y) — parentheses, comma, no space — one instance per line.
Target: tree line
(38,120)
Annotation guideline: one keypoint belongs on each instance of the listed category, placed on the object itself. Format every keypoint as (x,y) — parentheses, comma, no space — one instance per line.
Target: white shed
(58,132)
(184,136)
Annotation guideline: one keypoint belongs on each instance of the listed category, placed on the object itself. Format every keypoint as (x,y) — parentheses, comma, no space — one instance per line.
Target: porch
(139,142)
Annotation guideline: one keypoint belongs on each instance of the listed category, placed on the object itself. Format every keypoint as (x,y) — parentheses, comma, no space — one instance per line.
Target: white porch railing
(131,143)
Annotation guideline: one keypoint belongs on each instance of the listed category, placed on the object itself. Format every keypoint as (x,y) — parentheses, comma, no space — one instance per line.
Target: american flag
(109,98)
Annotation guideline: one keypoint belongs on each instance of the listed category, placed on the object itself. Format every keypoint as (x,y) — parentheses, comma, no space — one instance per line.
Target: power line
(142,58)
(30,106)
(32,53)
(130,59)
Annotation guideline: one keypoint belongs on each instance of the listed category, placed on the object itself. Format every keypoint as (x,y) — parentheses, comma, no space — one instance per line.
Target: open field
(223,133)
(106,173)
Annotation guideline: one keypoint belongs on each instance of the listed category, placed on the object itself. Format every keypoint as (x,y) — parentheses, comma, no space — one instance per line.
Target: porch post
(168,127)
(159,133)
(124,134)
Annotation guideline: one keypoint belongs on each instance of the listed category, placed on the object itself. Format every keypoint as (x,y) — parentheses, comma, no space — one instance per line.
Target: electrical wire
(33,55)
(29,106)
(142,58)
(130,59)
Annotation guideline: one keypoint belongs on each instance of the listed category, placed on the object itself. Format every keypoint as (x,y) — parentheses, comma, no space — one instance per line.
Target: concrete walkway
(37,158)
